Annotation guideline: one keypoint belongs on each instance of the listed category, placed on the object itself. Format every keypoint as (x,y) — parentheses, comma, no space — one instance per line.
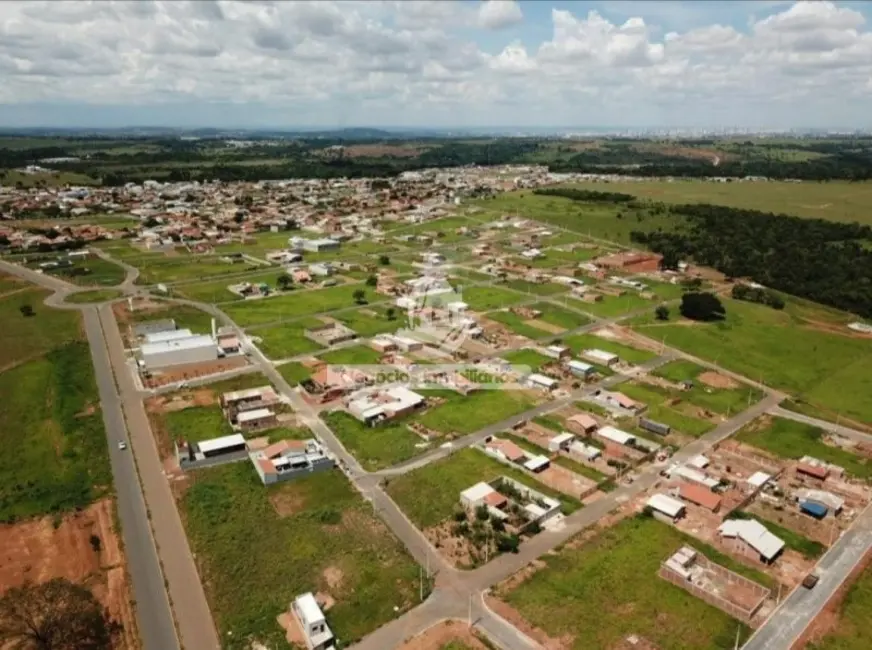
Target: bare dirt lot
(38,550)
(545,327)
(193,370)
(514,617)
(717,380)
(439,636)
(383,150)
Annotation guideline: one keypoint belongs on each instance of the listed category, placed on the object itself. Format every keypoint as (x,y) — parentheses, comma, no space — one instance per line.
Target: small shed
(814,509)
(666,506)
(537,463)
(654,427)
(561,441)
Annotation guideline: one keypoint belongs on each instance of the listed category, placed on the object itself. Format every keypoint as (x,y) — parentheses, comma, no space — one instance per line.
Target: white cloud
(408,61)
(496,14)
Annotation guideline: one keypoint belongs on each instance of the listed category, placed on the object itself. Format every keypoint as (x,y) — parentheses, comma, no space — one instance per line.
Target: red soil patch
(440,635)
(514,617)
(37,551)
(717,380)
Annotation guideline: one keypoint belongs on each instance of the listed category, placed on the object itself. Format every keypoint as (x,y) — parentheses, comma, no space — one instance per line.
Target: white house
(616,435)
(561,441)
(752,537)
(536,380)
(665,506)
(601,356)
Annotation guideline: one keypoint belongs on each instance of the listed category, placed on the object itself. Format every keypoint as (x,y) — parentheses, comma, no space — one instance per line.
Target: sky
(445,64)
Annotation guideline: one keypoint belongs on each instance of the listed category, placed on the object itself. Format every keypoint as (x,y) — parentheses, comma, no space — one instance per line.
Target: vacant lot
(25,337)
(527,357)
(352,355)
(98,295)
(314,534)
(788,349)
(54,447)
(190,267)
(372,321)
(852,631)
(432,493)
(834,201)
(286,340)
(191,318)
(601,591)
(216,290)
(88,272)
(518,324)
(469,413)
(789,439)
(492,297)
(375,447)
(296,304)
(677,416)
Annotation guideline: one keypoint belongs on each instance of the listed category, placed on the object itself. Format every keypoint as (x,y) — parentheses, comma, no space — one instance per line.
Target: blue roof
(813,508)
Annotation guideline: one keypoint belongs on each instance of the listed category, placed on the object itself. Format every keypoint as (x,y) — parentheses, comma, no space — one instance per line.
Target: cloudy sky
(446,63)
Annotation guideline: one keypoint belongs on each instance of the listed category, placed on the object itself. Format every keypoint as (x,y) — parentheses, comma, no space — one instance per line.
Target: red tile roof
(699,495)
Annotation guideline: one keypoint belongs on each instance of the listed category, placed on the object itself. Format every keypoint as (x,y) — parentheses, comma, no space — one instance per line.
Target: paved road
(847,432)
(800,608)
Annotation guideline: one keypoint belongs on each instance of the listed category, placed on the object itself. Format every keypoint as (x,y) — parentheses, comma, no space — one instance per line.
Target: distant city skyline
(457,64)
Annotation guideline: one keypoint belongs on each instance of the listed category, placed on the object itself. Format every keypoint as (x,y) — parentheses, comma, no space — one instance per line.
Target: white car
(122,445)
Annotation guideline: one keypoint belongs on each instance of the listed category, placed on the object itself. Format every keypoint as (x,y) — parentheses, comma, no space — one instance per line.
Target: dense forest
(821,260)
(591,196)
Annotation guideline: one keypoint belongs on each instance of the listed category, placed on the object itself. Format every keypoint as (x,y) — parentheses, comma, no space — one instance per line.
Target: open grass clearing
(559,316)
(490,297)
(605,589)
(527,357)
(287,340)
(25,337)
(93,271)
(196,424)
(365,324)
(430,494)
(375,447)
(518,324)
(581,342)
(216,291)
(613,306)
(186,317)
(98,295)
(190,267)
(833,200)
(468,413)
(537,288)
(852,630)
(296,304)
(782,349)
(352,356)
(678,371)
(793,440)
(55,455)
(325,541)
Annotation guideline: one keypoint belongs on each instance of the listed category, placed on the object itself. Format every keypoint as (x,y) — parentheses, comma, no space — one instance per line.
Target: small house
(560,442)
(582,423)
(312,622)
(752,539)
(580,368)
(700,496)
(601,357)
(543,382)
(665,508)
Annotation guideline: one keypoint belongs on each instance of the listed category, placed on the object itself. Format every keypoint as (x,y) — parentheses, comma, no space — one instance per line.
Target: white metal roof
(600,355)
(587,451)
(834,501)
(759,479)
(221,443)
(189,343)
(690,474)
(308,609)
(666,504)
(616,435)
(580,365)
(256,414)
(537,462)
(561,438)
(753,533)
(477,492)
(248,393)
(535,510)
(699,461)
(168,335)
(541,380)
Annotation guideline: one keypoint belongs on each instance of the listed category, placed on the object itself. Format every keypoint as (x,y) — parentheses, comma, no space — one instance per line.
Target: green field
(190,267)
(430,494)
(782,349)
(93,271)
(294,373)
(613,306)
(196,424)
(254,563)
(527,357)
(580,342)
(793,440)
(216,290)
(518,324)
(680,370)
(375,447)
(490,297)
(26,337)
(352,355)
(365,324)
(296,304)
(191,318)
(675,416)
(834,200)
(467,414)
(852,631)
(551,314)
(537,288)
(55,456)
(559,316)
(601,591)
(98,295)
(287,340)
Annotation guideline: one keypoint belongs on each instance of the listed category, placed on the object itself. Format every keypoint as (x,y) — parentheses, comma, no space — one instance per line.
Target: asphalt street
(847,432)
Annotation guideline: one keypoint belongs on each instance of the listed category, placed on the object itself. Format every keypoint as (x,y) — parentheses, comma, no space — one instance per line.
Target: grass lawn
(527,357)
(190,267)
(588,592)
(89,272)
(490,297)
(518,324)
(467,414)
(579,342)
(197,423)
(216,290)
(186,317)
(367,325)
(55,456)
(254,562)
(780,347)
(537,288)
(296,304)
(559,316)
(677,371)
(375,447)
(25,337)
(579,468)
(852,632)
(794,440)
(658,411)
(612,306)
(430,494)
(792,540)
(98,295)
(353,355)
(287,340)
(834,201)
(294,373)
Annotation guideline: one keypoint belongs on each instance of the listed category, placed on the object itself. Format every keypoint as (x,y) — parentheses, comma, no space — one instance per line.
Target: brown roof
(813,470)
(510,450)
(266,466)
(495,500)
(277,448)
(584,420)
(699,495)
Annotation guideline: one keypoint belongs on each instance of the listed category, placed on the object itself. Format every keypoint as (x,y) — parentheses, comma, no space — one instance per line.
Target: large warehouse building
(176,351)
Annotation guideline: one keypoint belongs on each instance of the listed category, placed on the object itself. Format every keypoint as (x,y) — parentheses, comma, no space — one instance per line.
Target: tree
(372,281)
(670,260)
(26,311)
(702,306)
(384,260)
(95,542)
(391,313)
(284,282)
(56,615)
(359,296)
(662,312)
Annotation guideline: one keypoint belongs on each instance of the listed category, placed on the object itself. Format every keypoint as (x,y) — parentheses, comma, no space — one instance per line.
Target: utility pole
(469,615)
(421,583)
(739,631)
